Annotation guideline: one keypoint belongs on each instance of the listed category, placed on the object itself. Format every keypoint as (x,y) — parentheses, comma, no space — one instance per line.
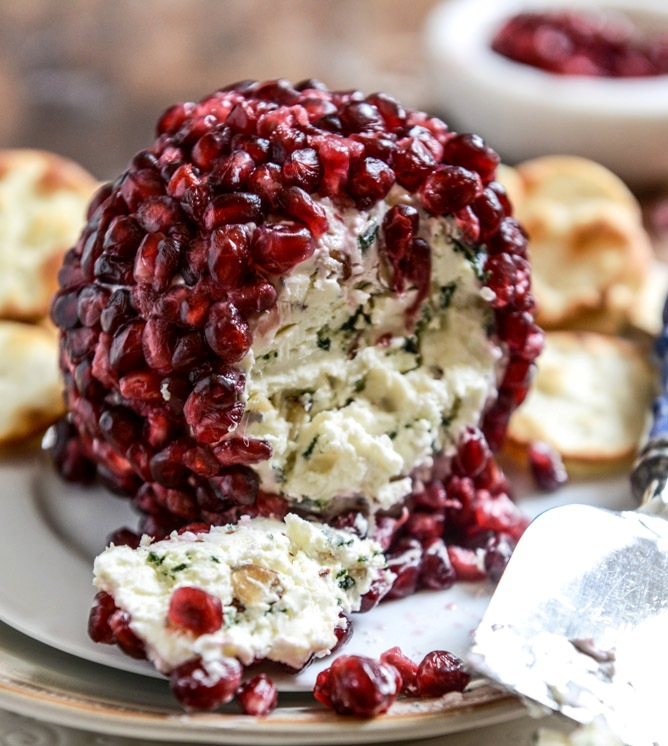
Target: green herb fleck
(366,240)
(324,343)
(359,384)
(309,451)
(411,345)
(476,258)
(273,354)
(351,324)
(180,567)
(346,583)
(445,293)
(392,435)
(215,559)
(155,559)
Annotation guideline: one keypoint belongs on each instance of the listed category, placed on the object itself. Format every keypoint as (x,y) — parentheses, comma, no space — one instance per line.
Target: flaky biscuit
(590,399)
(30,382)
(590,252)
(43,199)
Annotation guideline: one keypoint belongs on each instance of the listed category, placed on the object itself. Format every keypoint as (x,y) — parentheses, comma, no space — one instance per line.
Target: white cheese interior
(282,584)
(349,417)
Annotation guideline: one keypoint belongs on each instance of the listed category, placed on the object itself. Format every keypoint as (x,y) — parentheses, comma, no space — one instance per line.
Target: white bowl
(524,112)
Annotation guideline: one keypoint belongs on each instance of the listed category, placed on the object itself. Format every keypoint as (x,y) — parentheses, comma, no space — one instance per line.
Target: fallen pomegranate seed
(407,669)
(441,672)
(200,685)
(195,610)
(358,686)
(258,696)
(547,468)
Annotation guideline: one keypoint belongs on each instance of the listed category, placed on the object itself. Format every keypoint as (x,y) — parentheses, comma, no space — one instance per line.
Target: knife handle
(649,478)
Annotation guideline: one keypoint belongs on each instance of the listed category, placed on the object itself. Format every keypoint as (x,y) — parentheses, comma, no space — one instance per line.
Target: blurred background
(88,78)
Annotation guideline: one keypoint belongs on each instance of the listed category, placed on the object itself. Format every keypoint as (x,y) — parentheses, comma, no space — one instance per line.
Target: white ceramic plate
(49,534)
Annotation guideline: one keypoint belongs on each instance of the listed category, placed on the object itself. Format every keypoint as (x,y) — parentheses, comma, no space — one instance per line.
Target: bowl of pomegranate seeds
(541,77)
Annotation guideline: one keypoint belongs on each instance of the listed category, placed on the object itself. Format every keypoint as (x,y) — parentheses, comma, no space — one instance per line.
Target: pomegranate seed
(126,351)
(98,619)
(143,385)
(117,311)
(124,637)
(360,116)
(242,451)
(448,189)
(441,672)
(257,296)
(237,484)
(195,610)
(436,570)
(278,248)
(140,185)
(237,207)
(267,182)
(547,468)
(380,587)
(406,667)
(228,254)
(466,564)
(200,685)
(230,174)
(64,310)
(227,333)
(167,467)
(404,561)
(497,553)
(172,119)
(302,169)
(158,214)
(120,426)
(370,181)
(470,151)
(301,206)
(258,696)
(412,162)
(472,453)
(359,686)
(214,408)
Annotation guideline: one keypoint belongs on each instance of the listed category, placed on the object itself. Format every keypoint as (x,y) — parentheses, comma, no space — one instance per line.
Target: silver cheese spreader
(579,619)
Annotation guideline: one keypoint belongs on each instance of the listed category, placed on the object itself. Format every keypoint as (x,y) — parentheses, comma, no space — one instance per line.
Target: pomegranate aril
(279,247)
(391,110)
(441,672)
(126,351)
(140,185)
(189,349)
(98,619)
(471,151)
(406,667)
(380,587)
(302,169)
(473,453)
(436,571)
(158,339)
(124,637)
(240,451)
(370,181)
(228,254)
(194,610)
(360,116)
(267,182)
(170,121)
(158,214)
(237,484)
(412,161)
(466,563)
(118,311)
(257,296)
(214,408)
(299,205)
(124,537)
(120,426)
(235,207)
(258,696)
(497,553)
(64,310)
(448,189)
(359,686)
(200,685)
(227,332)
(143,385)
(231,173)
(404,561)
(547,468)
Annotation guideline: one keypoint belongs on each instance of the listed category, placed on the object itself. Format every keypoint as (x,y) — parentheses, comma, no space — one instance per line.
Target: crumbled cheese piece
(346,416)
(282,584)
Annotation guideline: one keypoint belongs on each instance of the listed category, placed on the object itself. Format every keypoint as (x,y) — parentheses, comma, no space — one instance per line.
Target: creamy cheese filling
(350,397)
(282,584)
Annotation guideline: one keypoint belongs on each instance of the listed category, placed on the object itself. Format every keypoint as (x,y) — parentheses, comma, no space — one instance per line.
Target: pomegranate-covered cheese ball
(305,301)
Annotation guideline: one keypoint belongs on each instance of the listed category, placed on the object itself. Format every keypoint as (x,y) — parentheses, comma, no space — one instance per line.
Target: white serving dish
(524,112)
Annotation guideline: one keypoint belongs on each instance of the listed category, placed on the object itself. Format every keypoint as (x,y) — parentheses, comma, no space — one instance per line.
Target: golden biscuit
(43,200)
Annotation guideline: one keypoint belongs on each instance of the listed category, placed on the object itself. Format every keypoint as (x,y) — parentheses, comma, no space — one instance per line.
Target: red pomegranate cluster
(184,252)
(364,687)
(582,43)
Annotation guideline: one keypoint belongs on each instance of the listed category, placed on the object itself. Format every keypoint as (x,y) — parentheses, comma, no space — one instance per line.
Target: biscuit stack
(43,200)
(595,280)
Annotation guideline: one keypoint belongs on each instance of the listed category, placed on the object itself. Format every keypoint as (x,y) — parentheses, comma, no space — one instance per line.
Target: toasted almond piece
(587,261)
(252,584)
(43,200)
(30,383)
(590,399)
(570,181)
